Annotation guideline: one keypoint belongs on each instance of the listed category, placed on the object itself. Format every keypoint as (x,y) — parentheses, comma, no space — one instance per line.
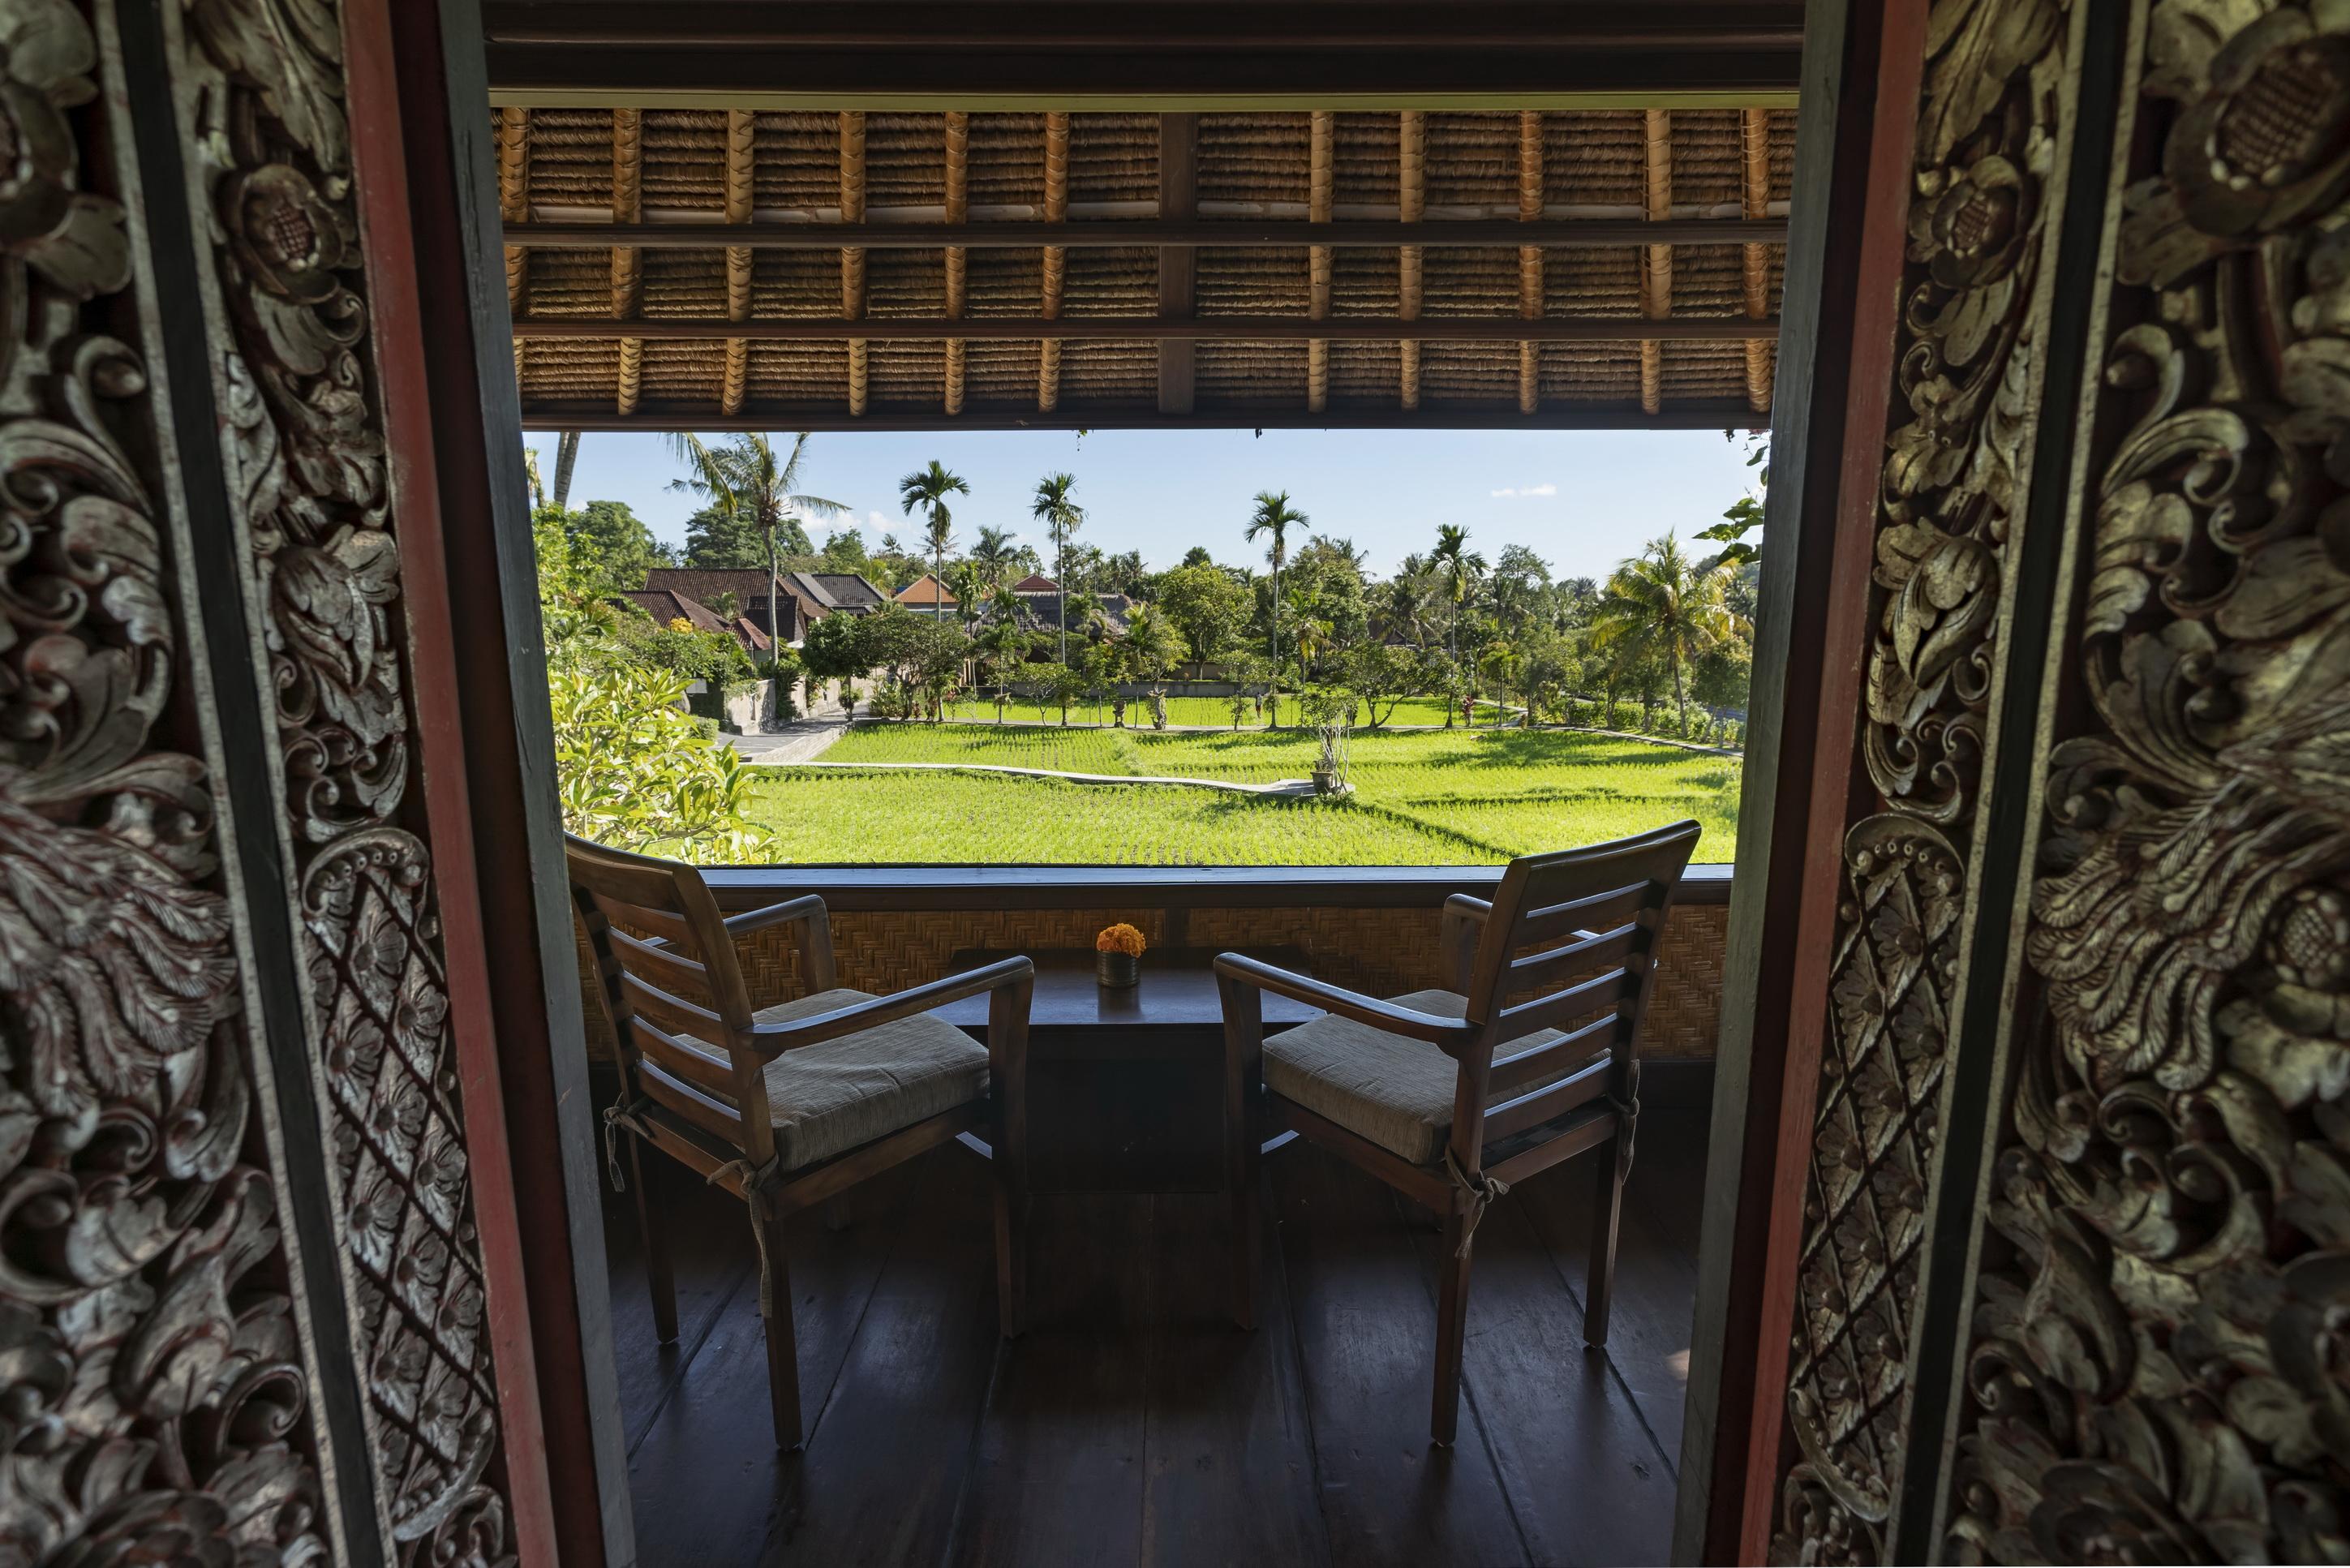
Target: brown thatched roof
(1255,271)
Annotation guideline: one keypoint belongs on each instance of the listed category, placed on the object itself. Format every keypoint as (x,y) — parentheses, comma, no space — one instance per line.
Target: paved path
(796,743)
(1287,789)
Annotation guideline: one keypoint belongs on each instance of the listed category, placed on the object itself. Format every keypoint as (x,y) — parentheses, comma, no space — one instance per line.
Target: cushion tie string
(620,1113)
(1480,1189)
(755,1194)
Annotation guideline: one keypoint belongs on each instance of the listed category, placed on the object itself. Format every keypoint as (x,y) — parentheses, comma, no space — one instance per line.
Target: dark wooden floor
(1132,1423)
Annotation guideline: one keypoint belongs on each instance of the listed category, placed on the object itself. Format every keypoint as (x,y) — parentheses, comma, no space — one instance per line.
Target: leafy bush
(638,773)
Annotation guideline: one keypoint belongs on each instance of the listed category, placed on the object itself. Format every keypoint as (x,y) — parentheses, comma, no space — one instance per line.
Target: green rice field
(1421,798)
(1205,710)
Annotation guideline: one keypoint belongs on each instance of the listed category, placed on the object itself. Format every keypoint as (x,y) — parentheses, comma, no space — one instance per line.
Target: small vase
(1118,971)
(1324,781)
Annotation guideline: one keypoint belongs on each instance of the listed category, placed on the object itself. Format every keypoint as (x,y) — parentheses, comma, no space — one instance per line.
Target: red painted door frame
(485,758)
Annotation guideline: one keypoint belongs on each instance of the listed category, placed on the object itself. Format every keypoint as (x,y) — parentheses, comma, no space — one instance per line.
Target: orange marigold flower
(1120,939)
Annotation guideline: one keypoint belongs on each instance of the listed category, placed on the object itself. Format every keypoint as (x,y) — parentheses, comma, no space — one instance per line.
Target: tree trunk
(566,455)
(1680,695)
(774,591)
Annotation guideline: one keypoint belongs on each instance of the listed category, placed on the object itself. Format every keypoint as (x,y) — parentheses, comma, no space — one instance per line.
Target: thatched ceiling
(1212,268)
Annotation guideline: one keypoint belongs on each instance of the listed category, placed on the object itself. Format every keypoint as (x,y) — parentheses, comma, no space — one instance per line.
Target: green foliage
(1382,676)
(636,771)
(606,541)
(720,540)
(844,551)
(1204,606)
(835,649)
(1745,513)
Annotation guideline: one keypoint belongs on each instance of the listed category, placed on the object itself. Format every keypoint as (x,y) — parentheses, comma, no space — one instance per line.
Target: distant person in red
(1468,711)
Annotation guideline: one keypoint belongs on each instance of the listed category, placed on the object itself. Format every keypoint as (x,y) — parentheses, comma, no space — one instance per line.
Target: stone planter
(1119,971)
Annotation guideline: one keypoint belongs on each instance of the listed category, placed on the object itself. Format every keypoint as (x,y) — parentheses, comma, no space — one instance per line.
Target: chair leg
(783,1350)
(1452,1320)
(1608,1206)
(1011,1246)
(661,1276)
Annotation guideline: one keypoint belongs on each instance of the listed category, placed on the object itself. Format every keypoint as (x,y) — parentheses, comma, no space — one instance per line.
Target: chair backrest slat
(1542,1063)
(684,1056)
(679,1005)
(1579,928)
(1555,1100)
(678,974)
(683,1099)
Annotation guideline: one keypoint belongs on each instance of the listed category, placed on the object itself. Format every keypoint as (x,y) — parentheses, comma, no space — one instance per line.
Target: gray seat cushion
(827,1098)
(1390,1088)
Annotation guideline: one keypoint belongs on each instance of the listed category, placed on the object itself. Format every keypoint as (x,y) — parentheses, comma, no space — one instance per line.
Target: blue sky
(1582,499)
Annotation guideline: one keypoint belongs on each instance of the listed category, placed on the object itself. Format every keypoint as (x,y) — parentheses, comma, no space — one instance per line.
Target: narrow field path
(796,743)
(1286,789)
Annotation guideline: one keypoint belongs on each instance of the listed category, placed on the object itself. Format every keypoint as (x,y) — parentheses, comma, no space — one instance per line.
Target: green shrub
(636,771)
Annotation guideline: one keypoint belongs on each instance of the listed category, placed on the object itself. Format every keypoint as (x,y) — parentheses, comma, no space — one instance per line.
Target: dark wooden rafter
(958,188)
(1712,414)
(1755,200)
(852,257)
(1411,202)
(1055,259)
(1529,257)
(628,270)
(1656,261)
(741,154)
(1178,195)
(982,54)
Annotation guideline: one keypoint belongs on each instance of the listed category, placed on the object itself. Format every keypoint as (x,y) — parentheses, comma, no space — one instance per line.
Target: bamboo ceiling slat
(852,257)
(956,138)
(1657,273)
(1055,259)
(628,168)
(1755,197)
(748,262)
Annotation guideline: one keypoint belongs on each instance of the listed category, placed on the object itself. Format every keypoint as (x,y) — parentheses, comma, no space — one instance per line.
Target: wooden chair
(1450,1096)
(793,1105)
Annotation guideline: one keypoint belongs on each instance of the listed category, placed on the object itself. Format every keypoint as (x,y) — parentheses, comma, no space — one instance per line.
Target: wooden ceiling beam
(1529,257)
(1206,328)
(1116,232)
(1558,414)
(1147,55)
(1179,198)
(741,155)
(958,190)
(628,271)
(1656,261)
(1322,135)
(1056,259)
(1755,197)
(513,133)
(852,257)
(1412,194)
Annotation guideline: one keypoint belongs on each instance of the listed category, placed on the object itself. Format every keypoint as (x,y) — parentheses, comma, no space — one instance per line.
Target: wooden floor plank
(1586,1480)
(1058,1476)
(1655,1259)
(1367,1331)
(713,1259)
(1228,1449)
(709,1483)
(885,1465)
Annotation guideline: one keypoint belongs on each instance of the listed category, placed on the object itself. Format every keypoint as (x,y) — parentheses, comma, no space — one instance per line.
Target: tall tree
(1665,604)
(996,553)
(928,488)
(742,476)
(1457,570)
(1205,607)
(1275,516)
(1054,507)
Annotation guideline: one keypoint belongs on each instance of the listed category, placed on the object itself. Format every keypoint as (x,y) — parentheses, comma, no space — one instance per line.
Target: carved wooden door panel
(2071,1268)
(245,1313)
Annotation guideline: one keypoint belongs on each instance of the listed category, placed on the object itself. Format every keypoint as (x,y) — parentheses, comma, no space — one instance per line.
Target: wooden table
(1126,1086)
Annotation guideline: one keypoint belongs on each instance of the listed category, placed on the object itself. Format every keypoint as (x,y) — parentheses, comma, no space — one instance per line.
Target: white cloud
(1513,492)
(1540,490)
(1505,494)
(875,519)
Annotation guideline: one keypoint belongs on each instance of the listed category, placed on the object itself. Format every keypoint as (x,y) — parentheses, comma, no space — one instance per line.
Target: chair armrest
(813,937)
(807,906)
(1463,929)
(1448,1033)
(771,1040)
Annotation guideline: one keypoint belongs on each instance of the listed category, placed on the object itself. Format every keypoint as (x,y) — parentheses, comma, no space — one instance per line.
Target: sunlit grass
(1427,798)
(1195,711)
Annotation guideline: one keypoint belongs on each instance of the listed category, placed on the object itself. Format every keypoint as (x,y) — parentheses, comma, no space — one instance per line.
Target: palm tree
(742,476)
(1407,600)
(1062,517)
(994,553)
(928,488)
(1275,515)
(1666,604)
(1457,570)
(566,455)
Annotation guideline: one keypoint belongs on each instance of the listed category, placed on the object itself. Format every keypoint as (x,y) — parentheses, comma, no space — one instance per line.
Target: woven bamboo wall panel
(1380,952)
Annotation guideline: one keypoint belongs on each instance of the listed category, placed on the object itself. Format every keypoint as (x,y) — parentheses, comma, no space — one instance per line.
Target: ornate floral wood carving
(262,103)
(154,1396)
(1950,505)
(2158,1367)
